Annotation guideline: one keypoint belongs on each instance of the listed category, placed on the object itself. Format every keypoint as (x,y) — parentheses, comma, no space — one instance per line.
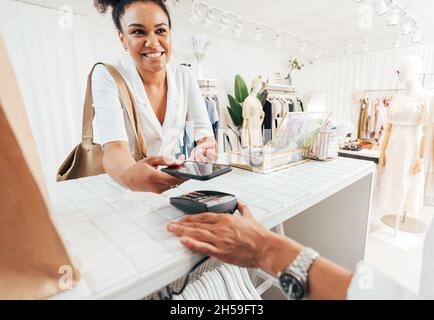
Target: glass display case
(290,144)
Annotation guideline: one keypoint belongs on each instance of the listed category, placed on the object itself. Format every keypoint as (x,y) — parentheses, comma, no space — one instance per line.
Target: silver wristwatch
(294,280)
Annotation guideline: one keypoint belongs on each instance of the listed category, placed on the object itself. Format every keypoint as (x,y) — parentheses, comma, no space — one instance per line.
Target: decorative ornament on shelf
(293,64)
(236,105)
(200,45)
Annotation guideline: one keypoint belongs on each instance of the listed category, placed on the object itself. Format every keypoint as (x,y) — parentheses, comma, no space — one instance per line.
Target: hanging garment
(290,105)
(363,119)
(277,108)
(381,121)
(268,121)
(300,102)
(373,113)
(213,114)
(401,190)
(297,106)
(216,125)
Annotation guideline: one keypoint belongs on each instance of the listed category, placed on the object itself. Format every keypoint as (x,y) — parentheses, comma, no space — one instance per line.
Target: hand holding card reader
(205,201)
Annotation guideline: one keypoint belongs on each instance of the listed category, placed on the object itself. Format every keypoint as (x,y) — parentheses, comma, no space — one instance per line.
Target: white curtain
(51,64)
(342,77)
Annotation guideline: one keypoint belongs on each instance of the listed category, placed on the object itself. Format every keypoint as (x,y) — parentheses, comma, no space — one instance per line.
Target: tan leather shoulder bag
(86,159)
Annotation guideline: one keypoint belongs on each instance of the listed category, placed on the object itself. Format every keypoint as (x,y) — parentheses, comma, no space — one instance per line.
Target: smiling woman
(167,97)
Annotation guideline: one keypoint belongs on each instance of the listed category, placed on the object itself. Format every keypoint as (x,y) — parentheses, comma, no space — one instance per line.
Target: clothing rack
(208,86)
(382,90)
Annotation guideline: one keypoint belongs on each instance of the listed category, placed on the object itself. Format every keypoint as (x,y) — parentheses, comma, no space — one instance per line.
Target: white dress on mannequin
(401,190)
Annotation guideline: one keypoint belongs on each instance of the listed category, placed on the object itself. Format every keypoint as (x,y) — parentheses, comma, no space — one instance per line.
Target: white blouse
(370,284)
(185,105)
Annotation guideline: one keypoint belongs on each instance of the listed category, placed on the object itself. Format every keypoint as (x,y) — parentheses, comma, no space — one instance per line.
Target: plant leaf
(235,111)
(235,118)
(241,92)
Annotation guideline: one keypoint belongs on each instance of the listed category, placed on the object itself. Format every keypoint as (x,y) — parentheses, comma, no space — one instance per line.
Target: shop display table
(119,242)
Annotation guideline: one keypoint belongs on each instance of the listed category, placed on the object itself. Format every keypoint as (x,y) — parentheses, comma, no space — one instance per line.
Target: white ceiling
(330,23)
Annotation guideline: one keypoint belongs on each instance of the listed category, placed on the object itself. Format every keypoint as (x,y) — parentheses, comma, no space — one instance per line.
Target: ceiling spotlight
(407,28)
(209,19)
(417,34)
(195,14)
(394,16)
(365,46)
(224,23)
(258,33)
(278,40)
(239,27)
(381,7)
(317,54)
(302,48)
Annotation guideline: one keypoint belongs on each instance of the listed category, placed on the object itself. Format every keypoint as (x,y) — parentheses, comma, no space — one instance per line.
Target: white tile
(83,197)
(113,272)
(248,198)
(158,205)
(135,212)
(119,196)
(120,229)
(172,213)
(146,197)
(282,199)
(173,193)
(92,181)
(132,242)
(107,191)
(65,209)
(90,204)
(146,222)
(60,200)
(173,244)
(149,257)
(87,241)
(159,232)
(121,205)
(96,255)
(257,212)
(108,221)
(71,219)
(98,212)
(78,230)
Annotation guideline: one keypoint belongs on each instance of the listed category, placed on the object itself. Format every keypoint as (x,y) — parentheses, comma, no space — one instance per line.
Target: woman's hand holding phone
(145,176)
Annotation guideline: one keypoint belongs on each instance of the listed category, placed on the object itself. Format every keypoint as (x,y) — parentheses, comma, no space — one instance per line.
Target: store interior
(335,57)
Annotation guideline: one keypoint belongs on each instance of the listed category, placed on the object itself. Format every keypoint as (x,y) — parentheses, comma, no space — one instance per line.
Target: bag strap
(128,103)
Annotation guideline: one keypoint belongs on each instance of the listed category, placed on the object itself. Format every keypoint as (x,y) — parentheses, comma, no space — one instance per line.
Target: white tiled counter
(119,241)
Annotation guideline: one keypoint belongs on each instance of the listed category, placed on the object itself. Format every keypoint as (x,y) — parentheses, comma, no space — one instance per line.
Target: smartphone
(198,171)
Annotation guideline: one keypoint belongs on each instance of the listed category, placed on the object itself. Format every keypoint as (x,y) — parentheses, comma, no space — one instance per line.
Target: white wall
(52,66)
(342,77)
(225,58)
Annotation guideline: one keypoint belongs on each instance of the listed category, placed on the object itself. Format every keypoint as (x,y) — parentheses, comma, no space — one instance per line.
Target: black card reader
(205,201)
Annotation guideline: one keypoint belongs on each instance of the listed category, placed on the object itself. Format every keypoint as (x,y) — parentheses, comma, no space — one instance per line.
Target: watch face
(293,287)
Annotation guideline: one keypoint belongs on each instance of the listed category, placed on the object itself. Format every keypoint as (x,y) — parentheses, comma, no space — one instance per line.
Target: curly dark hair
(119,6)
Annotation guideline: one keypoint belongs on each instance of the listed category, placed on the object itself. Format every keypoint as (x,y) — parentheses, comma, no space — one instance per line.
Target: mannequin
(403,150)
(253,115)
